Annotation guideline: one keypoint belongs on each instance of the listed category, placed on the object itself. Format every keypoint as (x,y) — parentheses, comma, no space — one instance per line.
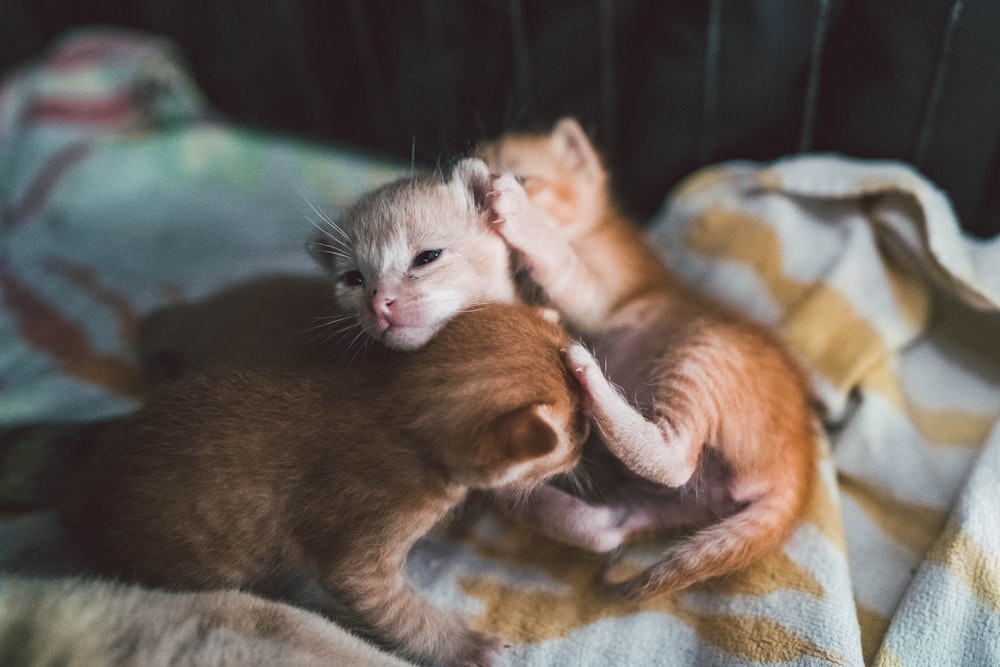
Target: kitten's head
(561,171)
(410,255)
(261,321)
(493,391)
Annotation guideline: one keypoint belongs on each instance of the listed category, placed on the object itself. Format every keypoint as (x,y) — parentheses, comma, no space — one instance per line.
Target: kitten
(36,459)
(280,320)
(410,255)
(403,260)
(84,622)
(312,489)
(720,433)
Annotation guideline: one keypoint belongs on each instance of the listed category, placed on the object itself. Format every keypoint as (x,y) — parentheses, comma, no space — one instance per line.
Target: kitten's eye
(353,278)
(426,257)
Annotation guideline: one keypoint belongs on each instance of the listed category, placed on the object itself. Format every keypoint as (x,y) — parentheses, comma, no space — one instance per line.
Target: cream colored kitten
(713,418)
(410,255)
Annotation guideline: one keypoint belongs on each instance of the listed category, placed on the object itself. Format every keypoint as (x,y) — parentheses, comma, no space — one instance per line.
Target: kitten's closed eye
(426,257)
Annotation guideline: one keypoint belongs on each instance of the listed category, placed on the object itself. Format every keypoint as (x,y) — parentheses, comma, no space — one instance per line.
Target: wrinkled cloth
(863,268)
(123,191)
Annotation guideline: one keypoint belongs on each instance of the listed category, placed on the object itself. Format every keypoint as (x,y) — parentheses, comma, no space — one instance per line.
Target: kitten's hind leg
(656,451)
(572,520)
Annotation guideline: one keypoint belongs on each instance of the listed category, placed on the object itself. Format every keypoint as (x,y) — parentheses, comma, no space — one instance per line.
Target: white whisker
(360,343)
(413,156)
(336,251)
(327,324)
(338,234)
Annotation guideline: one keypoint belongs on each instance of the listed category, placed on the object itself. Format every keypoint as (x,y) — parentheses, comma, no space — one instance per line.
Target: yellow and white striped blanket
(863,268)
(114,203)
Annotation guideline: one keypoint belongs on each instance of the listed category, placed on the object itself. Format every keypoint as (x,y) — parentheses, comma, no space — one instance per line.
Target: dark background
(663,86)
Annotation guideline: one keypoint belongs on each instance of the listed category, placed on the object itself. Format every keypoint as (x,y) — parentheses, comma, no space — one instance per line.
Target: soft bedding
(121,191)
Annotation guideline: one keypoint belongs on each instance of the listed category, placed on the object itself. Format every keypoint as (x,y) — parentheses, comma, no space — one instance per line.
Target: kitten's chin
(406,338)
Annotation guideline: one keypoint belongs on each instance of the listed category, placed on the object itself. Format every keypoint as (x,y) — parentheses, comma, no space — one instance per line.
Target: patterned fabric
(863,268)
(121,193)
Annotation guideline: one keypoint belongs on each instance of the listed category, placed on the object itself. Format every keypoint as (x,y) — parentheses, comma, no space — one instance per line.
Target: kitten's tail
(37,459)
(721,548)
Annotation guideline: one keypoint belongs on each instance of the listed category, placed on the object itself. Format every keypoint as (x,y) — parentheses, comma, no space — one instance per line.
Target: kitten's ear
(576,151)
(474,175)
(509,448)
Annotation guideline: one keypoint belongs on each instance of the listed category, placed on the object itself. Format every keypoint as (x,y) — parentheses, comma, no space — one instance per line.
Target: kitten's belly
(630,355)
(707,497)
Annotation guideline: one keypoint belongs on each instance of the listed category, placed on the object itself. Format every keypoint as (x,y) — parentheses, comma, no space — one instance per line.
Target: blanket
(863,268)
(122,191)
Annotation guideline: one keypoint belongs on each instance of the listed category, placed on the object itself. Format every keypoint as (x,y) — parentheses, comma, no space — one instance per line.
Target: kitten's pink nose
(381,306)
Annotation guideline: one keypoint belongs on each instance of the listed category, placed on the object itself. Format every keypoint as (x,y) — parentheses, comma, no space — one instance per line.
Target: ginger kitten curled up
(714,419)
(311,489)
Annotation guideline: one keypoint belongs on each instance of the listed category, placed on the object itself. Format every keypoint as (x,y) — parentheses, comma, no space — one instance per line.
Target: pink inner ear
(516,437)
(575,147)
(477,178)
(530,435)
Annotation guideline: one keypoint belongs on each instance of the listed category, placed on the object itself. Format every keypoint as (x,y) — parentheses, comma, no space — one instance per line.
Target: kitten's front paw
(476,650)
(585,369)
(608,532)
(508,203)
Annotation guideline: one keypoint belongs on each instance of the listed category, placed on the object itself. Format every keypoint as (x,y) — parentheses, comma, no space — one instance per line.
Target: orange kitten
(279,320)
(312,489)
(717,432)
